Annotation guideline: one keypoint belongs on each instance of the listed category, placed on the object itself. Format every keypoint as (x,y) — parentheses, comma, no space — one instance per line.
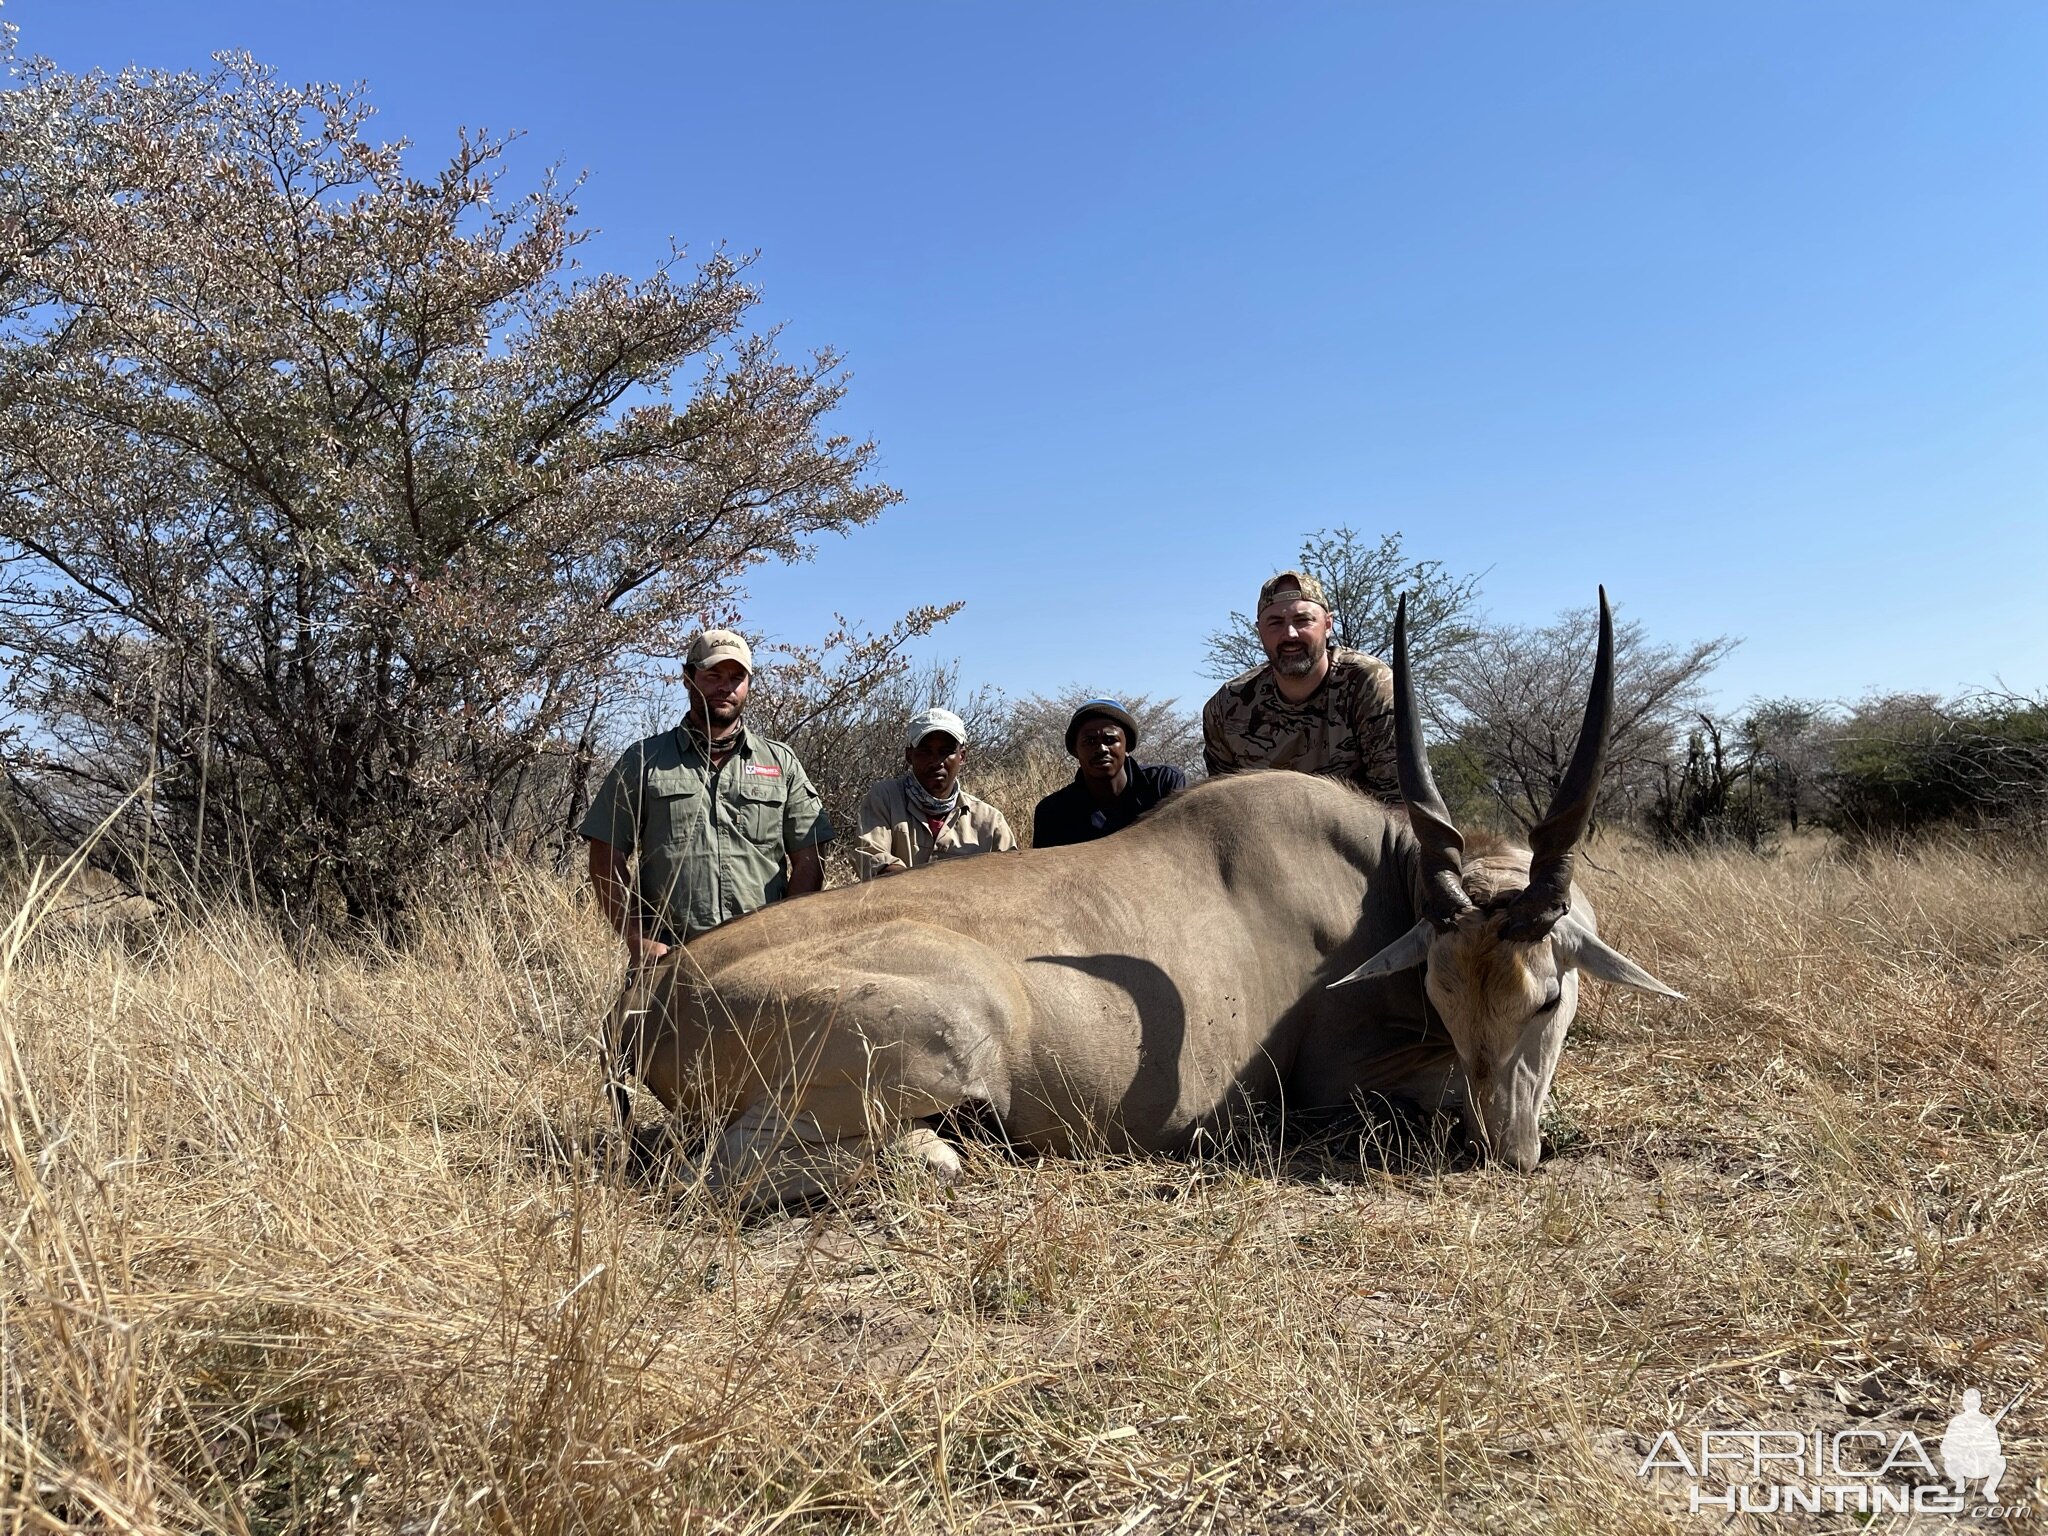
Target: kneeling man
(1109,791)
(923,815)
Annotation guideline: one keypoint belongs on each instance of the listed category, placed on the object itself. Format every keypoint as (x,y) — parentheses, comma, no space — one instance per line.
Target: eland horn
(1443,847)
(1551,841)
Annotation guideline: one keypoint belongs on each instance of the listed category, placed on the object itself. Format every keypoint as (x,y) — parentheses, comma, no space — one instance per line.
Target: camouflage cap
(720,645)
(1292,586)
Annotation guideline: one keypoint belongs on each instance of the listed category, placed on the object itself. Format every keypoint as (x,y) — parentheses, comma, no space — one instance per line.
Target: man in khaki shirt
(705,822)
(1313,707)
(923,815)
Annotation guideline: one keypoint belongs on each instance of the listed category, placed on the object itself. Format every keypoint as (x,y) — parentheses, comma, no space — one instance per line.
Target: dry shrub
(334,1240)
(1017,785)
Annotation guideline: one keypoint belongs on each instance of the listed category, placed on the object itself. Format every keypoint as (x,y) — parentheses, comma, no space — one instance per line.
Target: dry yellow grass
(338,1242)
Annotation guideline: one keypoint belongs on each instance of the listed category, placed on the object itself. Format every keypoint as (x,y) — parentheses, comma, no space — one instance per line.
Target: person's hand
(645,951)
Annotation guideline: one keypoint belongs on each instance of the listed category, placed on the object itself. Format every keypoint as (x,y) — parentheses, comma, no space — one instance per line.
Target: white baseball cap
(923,724)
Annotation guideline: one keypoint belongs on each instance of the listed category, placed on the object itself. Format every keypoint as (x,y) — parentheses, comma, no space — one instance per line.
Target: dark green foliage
(1895,765)
(1712,797)
(1907,762)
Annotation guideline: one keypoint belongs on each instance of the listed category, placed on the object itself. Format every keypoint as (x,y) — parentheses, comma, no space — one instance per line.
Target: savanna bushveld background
(349,529)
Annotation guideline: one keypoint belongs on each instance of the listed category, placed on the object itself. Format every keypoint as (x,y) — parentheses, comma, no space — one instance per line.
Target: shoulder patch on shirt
(763,770)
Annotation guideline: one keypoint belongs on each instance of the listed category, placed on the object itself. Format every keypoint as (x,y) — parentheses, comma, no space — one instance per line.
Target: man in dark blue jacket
(1109,791)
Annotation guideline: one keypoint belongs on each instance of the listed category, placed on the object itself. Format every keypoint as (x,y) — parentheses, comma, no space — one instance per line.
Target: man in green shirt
(722,820)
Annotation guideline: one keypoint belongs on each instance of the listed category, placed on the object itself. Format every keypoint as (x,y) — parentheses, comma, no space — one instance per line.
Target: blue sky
(1741,309)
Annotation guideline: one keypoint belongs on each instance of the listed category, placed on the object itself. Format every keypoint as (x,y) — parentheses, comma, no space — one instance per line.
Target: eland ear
(1597,958)
(1411,949)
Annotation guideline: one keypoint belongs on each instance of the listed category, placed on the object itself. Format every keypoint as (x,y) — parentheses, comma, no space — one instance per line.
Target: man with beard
(923,815)
(1109,791)
(722,820)
(1313,707)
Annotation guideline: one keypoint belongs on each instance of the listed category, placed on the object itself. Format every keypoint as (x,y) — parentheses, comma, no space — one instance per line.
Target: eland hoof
(930,1151)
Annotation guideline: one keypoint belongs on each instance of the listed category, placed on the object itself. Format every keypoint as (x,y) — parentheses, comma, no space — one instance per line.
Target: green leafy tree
(1459,771)
(1902,763)
(335,495)
(1709,797)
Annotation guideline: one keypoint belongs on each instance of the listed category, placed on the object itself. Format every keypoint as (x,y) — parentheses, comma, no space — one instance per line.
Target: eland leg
(768,1155)
(929,1150)
(619,1044)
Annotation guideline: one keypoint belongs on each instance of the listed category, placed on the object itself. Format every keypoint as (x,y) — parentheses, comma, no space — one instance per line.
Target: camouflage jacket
(1344,729)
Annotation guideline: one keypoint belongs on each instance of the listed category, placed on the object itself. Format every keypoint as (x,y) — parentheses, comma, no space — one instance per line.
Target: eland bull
(1263,938)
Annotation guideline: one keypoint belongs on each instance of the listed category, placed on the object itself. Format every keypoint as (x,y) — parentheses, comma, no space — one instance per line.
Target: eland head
(1503,973)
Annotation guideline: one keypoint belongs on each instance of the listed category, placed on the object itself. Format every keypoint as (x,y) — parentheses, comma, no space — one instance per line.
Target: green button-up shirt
(712,845)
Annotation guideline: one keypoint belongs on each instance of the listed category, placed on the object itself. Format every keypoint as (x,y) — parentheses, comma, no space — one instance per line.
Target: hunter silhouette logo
(1861,1469)
(1970,1450)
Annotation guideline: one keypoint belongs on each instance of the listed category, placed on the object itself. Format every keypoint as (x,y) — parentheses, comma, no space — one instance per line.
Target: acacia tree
(1786,743)
(332,497)
(1365,583)
(1515,696)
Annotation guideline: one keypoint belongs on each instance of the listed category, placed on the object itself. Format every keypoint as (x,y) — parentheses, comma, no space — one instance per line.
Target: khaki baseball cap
(1292,586)
(720,645)
(924,723)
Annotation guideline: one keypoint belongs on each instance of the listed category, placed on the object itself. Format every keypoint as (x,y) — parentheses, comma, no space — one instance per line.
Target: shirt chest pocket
(674,810)
(761,805)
